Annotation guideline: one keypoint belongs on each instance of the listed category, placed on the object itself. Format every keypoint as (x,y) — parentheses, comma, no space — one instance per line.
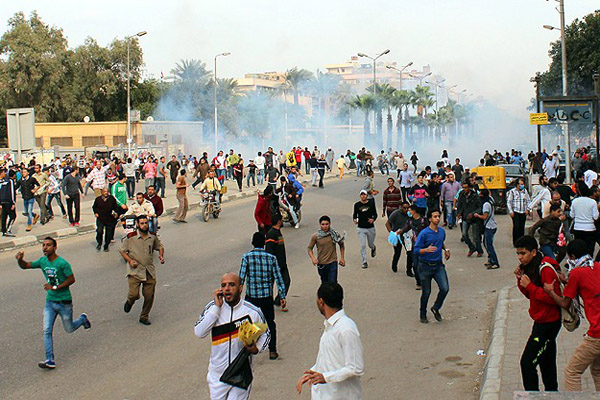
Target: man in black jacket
(364,216)
(73,190)
(106,211)
(467,205)
(8,198)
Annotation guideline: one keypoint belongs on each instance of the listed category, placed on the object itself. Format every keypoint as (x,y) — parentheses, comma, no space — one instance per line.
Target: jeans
(253,176)
(548,250)
(221,172)
(488,236)
(229,172)
(328,272)
(130,184)
(541,350)
(321,175)
(266,306)
(148,182)
(49,199)
(385,168)
(160,185)
(476,236)
(260,176)
(73,200)
(366,236)
(450,214)
(28,205)
(153,224)
(359,167)
(313,176)
(437,272)
(53,309)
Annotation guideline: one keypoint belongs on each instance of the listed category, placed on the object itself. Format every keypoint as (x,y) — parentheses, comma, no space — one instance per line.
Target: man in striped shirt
(517,202)
(260,269)
(97,177)
(391,198)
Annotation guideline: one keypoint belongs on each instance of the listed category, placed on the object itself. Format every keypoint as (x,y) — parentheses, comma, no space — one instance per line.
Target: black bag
(239,372)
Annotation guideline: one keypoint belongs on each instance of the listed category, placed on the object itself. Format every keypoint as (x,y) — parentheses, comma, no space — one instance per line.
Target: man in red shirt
(157,202)
(262,212)
(298,152)
(307,156)
(584,281)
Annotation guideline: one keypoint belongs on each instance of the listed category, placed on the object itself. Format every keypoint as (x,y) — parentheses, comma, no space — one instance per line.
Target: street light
(128,39)
(374,59)
(436,84)
(448,89)
(400,70)
(216,107)
(563,47)
(420,78)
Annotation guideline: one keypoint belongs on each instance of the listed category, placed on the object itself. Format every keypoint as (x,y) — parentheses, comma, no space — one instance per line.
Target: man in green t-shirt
(119,192)
(59,277)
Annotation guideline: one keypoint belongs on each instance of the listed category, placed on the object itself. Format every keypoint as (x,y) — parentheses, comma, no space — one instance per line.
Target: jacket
(137,209)
(542,308)
(8,193)
(223,324)
(262,212)
(467,204)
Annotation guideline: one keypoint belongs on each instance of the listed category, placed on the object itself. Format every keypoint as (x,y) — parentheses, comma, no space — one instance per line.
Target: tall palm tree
(401,101)
(297,78)
(366,104)
(323,86)
(386,93)
(192,71)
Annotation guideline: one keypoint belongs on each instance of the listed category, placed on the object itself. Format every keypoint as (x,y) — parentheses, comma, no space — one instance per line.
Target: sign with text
(569,111)
(538,119)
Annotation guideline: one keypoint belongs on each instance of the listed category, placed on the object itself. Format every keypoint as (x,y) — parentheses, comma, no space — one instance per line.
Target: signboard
(538,119)
(21,128)
(569,111)
(135,115)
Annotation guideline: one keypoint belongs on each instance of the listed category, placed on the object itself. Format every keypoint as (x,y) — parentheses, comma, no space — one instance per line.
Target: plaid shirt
(517,201)
(261,269)
(97,177)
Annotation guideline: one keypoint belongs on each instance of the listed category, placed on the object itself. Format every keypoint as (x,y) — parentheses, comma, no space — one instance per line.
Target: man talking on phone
(222,318)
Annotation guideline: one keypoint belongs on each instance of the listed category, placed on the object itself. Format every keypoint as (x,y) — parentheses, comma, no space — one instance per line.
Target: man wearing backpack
(584,281)
(533,274)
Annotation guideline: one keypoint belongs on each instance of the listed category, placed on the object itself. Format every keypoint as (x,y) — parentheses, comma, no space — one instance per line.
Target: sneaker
(8,234)
(479,255)
(48,364)
(297,226)
(424,320)
(36,217)
(86,324)
(487,264)
(273,355)
(64,216)
(145,322)
(127,307)
(71,225)
(98,246)
(374,251)
(470,253)
(493,266)
(410,273)
(76,223)
(106,249)
(365,266)
(394,269)
(436,314)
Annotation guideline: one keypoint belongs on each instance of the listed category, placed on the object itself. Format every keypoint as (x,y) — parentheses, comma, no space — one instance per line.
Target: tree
(297,79)
(401,100)
(364,103)
(323,87)
(386,94)
(582,39)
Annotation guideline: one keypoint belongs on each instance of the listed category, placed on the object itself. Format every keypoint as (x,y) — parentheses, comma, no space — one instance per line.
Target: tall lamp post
(448,89)
(437,84)
(129,140)
(216,106)
(400,70)
(420,78)
(374,59)
(563,50)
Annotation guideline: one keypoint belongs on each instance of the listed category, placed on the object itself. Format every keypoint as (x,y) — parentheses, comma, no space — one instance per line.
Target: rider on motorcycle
(212,185)
(297,186)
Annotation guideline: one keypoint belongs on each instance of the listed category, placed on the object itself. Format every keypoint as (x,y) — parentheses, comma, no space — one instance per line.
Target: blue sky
(490,48)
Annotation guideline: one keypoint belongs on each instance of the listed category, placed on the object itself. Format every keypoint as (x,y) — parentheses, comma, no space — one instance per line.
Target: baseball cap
(67,170)
(364,192)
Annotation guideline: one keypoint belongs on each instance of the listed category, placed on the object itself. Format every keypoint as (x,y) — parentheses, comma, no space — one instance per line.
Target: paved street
(120,358)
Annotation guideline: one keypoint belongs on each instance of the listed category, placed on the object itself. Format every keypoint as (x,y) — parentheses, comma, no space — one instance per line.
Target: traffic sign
(538,119)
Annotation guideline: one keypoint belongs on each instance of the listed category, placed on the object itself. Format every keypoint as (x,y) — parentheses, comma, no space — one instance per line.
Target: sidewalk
(59,227)
(512,327)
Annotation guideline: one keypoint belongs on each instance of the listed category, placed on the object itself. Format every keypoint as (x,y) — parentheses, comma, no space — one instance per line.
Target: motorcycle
(209,205)
(284,209)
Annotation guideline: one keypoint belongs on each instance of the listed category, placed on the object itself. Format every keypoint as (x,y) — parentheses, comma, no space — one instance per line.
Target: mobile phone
(219,294)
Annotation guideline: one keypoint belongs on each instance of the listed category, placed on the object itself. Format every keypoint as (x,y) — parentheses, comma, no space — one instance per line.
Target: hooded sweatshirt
(542,308)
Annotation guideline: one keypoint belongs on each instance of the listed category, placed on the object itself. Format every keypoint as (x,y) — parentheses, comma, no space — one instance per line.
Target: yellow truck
(494,179)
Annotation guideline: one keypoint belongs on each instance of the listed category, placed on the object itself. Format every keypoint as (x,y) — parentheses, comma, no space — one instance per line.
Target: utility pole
(561,11)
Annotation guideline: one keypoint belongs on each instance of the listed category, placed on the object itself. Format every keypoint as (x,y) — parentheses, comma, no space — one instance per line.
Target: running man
(59,277)
(364,216)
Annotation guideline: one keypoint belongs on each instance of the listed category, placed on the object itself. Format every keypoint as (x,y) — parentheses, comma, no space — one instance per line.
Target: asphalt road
(122,359)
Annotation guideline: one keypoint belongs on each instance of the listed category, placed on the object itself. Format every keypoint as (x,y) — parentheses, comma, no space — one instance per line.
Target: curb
(89,228)
(492,378)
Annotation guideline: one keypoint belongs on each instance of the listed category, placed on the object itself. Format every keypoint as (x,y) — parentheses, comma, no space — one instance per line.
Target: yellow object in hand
(248,333)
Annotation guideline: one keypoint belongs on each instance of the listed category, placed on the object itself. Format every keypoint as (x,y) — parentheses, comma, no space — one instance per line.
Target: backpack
(570,317)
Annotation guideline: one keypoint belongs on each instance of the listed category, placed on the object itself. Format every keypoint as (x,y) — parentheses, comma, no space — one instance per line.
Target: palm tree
(386,93)
(191,71)
(341,96)
(365,103)
(296,78)
(323,87)
(401,101)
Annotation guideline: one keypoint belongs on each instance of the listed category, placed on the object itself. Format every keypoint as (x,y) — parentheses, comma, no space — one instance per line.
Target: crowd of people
(417,205)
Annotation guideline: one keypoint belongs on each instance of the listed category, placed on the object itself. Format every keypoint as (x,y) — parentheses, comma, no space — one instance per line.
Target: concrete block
(25,240)
(66,232)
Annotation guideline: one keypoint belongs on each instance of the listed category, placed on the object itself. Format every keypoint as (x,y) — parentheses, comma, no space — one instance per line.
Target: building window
(92,140)
(117,140)
(61,141)
(39,142)
(150,139)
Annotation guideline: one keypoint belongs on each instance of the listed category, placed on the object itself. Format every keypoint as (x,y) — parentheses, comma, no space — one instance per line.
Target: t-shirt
(161,166)
(341,163)
(458,171)
(260,162)
(55,272)
(326,252)
(490,223)
(150,170)
(398,220)
(363,212)
(585,282)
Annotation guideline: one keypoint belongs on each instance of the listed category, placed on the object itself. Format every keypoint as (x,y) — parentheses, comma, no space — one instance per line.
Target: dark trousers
(476,235)
(413,259)
(287,281)
(404,191)
(396,258)
(160,184)
(266,306)
(321,174)
(518,226)
(130,185)
(328,272)
(540,350)
(239,179)
(589,237)
(106,230)
(73,200)
(9,215)
(49,199)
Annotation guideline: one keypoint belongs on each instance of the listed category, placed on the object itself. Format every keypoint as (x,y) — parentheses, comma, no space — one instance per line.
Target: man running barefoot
(59,277)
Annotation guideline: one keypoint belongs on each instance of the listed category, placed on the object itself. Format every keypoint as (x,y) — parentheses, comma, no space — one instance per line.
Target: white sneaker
(297,226)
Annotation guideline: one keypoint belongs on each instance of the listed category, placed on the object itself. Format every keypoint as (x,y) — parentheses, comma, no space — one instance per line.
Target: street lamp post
(215,98)
(374,59)
(400,70)
(448,89)
(129,140)
(420,78)
(437,84)
(563,48)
